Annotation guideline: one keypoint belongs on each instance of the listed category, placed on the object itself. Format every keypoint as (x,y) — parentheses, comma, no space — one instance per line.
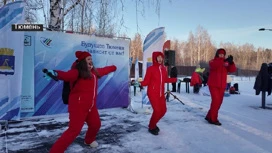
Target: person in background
(219,67)
(197,78)
(155,79)
(174,74)
(82,100)
(229,79)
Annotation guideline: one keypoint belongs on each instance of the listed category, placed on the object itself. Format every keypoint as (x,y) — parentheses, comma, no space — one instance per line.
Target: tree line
(199,49)
(105,18)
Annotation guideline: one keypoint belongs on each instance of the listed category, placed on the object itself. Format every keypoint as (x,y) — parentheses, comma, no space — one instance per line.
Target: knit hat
(82,55)
(220,51)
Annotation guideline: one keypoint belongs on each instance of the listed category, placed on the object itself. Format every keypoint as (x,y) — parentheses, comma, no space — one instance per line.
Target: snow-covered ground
(246,128)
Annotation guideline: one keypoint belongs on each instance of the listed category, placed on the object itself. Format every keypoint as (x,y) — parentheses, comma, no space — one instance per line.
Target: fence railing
(188,70)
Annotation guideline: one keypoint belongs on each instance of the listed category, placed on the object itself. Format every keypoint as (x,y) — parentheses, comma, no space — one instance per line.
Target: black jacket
(174,72)
(263,80)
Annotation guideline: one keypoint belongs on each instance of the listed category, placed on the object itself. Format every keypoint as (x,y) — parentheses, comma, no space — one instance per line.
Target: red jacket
(84,93)
(156,76)
(195,79)
(218,72)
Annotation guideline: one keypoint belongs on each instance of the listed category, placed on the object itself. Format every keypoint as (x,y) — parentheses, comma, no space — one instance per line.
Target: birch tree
(57,14)
(31,8)
(191,48)
(176,46)
(245,55)
(4,2)
(183,58)
(136,47)
(203,42)
(104,18)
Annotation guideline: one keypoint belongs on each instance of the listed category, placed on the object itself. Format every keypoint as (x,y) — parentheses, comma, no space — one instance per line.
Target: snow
(246,128)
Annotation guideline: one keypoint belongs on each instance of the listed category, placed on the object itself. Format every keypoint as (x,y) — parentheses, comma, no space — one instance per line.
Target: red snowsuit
(217,84)
(82,107)
(155,78)
(195,79)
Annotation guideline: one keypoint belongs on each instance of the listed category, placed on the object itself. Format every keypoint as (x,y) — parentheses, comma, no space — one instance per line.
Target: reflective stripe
(161,80)
(94,91)
(94,84)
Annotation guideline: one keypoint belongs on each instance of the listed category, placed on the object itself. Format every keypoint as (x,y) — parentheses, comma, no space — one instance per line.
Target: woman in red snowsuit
(155,79)
(219,67)
(82,101)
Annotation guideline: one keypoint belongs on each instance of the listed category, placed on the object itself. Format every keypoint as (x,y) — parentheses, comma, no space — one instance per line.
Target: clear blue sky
(235,21)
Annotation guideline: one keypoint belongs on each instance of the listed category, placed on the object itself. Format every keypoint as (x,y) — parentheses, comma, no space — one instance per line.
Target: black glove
(229,59)
(50,74)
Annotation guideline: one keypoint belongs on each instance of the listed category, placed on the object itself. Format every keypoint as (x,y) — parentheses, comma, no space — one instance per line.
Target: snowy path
(238,126)
(246,128)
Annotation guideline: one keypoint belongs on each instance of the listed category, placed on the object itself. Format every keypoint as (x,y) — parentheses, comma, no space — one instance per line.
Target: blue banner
(136,70)
(56,50)
(153,42)
(11,59)
(27,103)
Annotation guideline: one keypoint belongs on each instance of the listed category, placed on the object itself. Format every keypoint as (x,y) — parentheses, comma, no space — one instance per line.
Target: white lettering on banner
(86,45)
(120,53)
(105,52)
(97,51)
(96,46)
(111,52)
(114,47)
(26,27)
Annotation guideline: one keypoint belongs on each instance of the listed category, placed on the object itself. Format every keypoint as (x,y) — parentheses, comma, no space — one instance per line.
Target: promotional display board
(153,42)
(27,103)
(136,70)
(11,59)
(56,50)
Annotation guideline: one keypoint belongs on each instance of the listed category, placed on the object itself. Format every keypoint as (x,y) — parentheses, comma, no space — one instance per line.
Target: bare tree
(203,42)
(175,45)
(105,26)
(4,2)
(191,48)
(136,47)
(56,14)
(181,54)
(31,8)
(245,56)
(262,57)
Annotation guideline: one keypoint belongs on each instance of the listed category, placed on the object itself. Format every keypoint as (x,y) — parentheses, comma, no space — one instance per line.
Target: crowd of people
(82,98)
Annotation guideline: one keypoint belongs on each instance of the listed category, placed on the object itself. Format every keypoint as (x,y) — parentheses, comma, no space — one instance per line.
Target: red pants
(159,109)
(77,119)
(217,95)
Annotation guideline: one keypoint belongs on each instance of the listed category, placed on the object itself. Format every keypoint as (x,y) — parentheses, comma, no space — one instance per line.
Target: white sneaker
(94,144)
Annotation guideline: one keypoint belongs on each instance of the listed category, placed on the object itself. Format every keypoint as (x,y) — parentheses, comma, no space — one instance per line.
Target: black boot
(217,123)
(153,131)
(211,122)
(157,129)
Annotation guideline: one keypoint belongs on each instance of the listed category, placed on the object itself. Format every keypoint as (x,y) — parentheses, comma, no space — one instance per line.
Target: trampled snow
(246,128)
